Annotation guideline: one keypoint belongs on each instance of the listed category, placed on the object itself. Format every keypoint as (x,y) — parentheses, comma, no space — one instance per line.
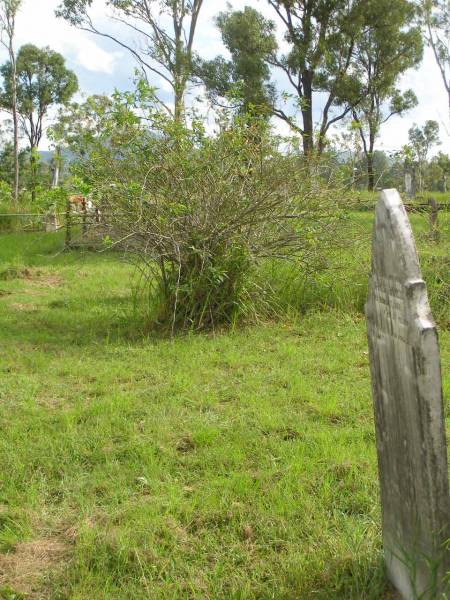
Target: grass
(239,465)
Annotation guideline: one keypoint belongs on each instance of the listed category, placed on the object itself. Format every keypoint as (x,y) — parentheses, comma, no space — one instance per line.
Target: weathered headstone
(409,185)
(408,407)
(50,221)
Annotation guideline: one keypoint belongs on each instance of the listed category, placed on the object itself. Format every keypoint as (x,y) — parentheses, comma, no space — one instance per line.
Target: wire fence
(83,227)
(89,227)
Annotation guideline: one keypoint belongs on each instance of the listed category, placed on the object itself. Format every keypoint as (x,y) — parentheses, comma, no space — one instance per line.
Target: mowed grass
(235,465)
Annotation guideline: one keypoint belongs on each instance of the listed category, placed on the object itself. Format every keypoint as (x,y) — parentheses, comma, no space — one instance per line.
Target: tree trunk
(370,172)
(179,102)
(12,57)
(33,164)
(369,154)
(308,128)
(55,180)
(56,168)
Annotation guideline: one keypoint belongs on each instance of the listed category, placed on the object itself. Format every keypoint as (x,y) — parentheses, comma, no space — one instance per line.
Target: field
(234,465)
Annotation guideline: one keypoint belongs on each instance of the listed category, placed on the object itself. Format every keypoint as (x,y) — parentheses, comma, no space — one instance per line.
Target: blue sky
(102,66)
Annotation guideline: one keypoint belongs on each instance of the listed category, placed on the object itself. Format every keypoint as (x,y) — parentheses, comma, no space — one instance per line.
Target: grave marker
(408,407)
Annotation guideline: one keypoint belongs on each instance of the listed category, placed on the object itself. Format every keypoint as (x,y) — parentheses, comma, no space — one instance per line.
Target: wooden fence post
(84,218)
(68,225)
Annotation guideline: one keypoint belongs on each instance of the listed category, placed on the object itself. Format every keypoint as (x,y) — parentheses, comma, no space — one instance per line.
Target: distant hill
(47,155)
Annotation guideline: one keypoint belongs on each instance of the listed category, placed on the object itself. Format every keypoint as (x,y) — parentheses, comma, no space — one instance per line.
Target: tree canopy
(42,81)
(321,37)
(250,39)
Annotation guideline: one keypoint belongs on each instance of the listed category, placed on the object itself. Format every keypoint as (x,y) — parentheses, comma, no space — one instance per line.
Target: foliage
(250,39)
(437,174)
(7,165)
(42,81)
(8,12)
(167,28)
(421,140)
(321,37)
(388,47)
(200,211)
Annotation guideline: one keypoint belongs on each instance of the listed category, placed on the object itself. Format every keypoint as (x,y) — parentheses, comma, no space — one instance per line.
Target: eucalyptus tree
(436,19)
(321,37)
(43,81)
(421,141)
(167,28)
(8,14)
(390,44)
(245,78)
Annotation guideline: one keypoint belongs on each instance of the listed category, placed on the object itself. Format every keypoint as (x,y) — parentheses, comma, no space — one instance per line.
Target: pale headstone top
(408,407)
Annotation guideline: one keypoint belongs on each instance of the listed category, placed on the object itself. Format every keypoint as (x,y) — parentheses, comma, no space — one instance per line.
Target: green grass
(239,465)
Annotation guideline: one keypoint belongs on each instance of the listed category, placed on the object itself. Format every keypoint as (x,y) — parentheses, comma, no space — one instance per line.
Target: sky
(102,66)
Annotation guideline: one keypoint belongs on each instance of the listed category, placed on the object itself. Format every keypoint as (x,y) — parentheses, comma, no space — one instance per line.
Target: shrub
(200,212)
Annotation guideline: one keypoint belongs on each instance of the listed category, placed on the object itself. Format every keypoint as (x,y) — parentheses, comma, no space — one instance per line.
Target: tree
(436,19)
(438,172)
(250,39)
(7,165)
(168,50)
(43,81)
(389,45)
(8,13)
(421,141)
(322,37)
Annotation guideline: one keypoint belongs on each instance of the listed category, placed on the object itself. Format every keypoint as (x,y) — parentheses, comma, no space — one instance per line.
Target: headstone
(408,407)
(408,185)
(51,222)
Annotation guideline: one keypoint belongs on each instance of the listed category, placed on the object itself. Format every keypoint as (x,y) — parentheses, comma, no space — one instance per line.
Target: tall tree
(438,172)
(436,19)
(250,40)
(43,81)
(321,35)
(389,45)
(421,140)
(8,13)
(167,28)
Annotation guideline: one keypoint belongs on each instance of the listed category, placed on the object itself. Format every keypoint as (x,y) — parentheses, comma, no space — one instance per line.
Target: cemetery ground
(231,465)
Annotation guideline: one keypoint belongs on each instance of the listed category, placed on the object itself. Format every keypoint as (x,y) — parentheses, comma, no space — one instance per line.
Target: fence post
(84,226)
(68,225)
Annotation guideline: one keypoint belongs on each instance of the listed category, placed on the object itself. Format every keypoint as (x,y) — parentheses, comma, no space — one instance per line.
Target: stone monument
(408,407)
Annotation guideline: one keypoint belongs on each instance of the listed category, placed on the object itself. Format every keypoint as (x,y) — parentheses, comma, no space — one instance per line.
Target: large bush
(199,212)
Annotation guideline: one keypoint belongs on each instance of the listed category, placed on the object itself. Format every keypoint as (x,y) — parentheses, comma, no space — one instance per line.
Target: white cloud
(95,59)
(37,24)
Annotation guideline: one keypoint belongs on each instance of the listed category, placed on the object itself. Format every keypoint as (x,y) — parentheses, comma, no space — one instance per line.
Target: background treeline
(339,66)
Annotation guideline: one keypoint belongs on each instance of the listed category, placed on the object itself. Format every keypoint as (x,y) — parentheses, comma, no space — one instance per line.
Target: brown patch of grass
(47,280)
(33,276)
(23,570)
(20,306)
